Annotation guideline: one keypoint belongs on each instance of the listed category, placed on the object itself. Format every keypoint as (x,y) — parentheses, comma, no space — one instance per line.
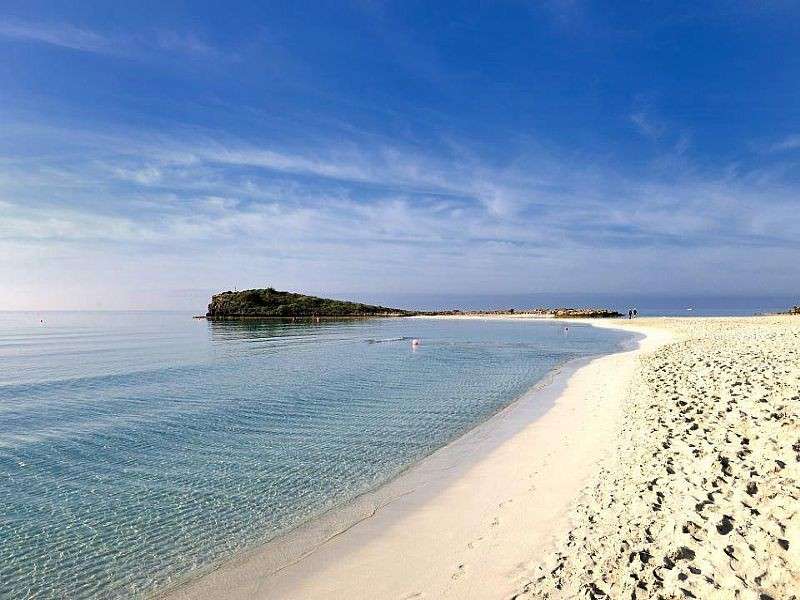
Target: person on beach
(634,312)
(630,313)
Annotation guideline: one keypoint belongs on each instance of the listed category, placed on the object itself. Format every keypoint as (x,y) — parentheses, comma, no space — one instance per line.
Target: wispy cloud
(186,43)
(336,211)
(142,44)
(194,189)
(647,125)
(63,224)
(63,35)
(790,142)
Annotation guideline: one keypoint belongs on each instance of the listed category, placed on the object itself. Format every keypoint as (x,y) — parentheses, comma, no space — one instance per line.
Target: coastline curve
(288,566)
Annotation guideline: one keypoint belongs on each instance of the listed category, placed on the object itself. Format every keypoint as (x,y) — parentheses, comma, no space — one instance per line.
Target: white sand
(701,498)
(452,527)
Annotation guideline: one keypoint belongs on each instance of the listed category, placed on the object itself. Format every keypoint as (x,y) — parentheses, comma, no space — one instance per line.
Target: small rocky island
(272,303)
(269,303)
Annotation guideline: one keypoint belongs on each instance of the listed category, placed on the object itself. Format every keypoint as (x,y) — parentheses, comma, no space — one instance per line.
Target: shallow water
(136,447)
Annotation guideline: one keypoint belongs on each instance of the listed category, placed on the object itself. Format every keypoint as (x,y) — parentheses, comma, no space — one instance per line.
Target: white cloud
(390,215)
(143,176)
(64,224)
(647,125)
(63,35)
(143,44)
(791,142)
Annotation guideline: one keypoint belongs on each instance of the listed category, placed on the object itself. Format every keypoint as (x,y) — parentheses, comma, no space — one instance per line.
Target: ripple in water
(137,448)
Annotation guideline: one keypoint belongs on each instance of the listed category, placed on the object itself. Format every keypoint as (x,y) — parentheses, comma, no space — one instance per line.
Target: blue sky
(151,153)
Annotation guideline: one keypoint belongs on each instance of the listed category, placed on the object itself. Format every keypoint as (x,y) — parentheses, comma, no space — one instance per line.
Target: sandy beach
(666,471)
(701,496)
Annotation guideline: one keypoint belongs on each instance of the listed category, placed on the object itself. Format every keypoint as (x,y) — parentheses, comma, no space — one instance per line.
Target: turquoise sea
(137,449)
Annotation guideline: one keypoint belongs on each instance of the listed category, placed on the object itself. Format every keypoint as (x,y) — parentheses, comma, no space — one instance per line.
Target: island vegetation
(274,304)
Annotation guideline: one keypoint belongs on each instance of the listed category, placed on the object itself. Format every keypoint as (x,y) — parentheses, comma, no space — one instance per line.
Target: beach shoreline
(377,522)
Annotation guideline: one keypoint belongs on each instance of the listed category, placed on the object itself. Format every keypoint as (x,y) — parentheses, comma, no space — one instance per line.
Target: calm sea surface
(136,447)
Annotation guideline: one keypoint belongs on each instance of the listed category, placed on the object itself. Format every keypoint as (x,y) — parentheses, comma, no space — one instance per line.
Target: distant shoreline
(533,313)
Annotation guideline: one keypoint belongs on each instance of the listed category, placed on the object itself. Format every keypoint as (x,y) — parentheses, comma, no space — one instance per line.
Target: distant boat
(689,308)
